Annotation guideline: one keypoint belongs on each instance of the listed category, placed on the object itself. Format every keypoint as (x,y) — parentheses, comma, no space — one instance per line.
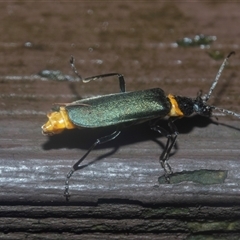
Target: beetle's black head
(201,107)
(188,106)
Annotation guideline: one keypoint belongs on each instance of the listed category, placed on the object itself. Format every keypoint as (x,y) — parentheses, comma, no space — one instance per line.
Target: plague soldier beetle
(128,108)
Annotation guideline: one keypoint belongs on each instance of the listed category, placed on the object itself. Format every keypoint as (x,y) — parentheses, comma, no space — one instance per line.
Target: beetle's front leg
(171,140)
(164,156)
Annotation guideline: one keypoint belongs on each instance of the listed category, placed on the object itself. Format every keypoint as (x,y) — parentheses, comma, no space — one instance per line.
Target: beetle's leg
(171,140)
(173,137)
(88,79)
(76,166)
(120,78)
(165,155)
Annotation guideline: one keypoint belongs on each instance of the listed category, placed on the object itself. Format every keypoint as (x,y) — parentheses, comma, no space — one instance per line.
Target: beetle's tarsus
(66,192)
(167,169)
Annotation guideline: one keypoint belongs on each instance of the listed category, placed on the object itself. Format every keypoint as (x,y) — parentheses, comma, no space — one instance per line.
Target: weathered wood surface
(119,193)
(34,167)
(116,194)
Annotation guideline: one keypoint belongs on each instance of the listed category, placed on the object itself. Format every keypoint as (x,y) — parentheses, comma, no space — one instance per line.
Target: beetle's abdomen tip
(57,122)
(49,130)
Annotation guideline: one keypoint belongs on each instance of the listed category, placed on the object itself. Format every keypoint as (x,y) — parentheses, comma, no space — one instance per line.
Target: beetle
(129,108)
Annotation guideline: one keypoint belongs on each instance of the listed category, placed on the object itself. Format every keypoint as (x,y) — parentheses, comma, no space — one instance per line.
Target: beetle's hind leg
(76,166)
(88,79)
(171,140)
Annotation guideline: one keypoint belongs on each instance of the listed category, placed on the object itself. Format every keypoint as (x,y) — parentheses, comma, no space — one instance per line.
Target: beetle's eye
(196,108)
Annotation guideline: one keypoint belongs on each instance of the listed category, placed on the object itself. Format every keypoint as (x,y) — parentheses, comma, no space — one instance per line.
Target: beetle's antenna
(72,60)
(228,112)
(207,96)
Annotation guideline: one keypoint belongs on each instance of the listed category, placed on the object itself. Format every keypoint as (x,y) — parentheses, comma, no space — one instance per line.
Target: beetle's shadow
(84,138)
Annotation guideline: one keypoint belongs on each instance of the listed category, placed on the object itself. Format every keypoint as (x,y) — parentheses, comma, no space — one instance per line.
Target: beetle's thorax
(180,106)
(184,106)
(175,110)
